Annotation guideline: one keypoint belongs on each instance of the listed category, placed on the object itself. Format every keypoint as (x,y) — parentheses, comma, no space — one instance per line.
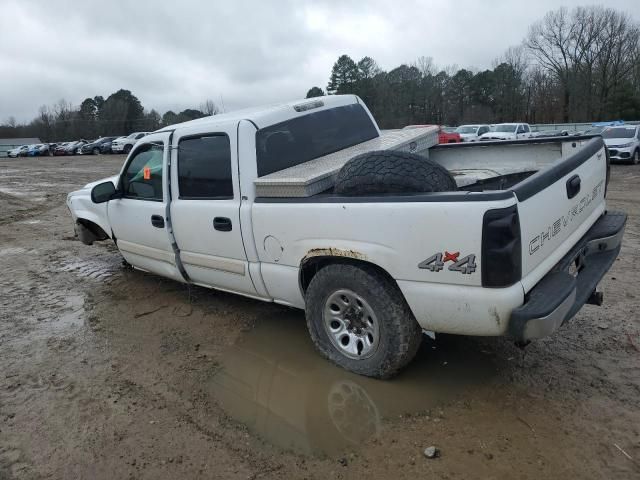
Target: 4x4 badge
(435,263)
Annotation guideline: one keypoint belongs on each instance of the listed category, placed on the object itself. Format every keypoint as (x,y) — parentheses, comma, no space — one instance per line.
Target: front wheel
(358,319)
(127,149)
(96,151)
(636,158)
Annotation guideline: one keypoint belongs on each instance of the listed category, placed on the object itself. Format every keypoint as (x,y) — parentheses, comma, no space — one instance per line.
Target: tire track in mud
(48,296)
(85,383)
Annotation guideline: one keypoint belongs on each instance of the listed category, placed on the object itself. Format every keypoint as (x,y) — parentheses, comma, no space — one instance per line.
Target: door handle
(223,224)
(573,186)
(157,221)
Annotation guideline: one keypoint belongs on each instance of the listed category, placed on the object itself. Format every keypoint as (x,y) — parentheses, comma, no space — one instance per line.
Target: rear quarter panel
(396,236)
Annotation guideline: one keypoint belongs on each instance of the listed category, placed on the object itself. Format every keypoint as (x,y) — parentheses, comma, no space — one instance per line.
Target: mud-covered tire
(399,333)
(389,171)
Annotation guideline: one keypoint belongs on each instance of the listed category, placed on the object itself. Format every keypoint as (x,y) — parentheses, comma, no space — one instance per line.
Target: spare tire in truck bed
(390,171)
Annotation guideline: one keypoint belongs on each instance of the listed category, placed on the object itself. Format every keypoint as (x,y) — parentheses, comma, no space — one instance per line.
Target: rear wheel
(358,319)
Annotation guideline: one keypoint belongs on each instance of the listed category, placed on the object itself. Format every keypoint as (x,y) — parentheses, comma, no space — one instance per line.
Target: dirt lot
(107,372)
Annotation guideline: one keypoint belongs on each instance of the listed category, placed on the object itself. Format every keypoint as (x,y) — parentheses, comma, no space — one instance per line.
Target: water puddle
(58,311)
(275,383)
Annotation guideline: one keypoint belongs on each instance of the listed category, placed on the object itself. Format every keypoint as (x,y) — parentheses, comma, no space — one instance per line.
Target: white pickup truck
(491,238)
(508,131)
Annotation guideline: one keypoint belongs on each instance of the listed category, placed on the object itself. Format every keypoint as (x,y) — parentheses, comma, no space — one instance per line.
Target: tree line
(578,65)
(119,114)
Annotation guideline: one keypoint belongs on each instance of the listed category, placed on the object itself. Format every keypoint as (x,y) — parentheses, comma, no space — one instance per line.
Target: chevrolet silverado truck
(378,236)
(507,131)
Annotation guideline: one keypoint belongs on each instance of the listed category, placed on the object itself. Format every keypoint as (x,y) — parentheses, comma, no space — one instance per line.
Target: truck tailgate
(557,206)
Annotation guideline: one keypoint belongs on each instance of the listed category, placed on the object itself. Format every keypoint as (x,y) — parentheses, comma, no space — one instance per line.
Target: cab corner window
(142,179)
(204,168)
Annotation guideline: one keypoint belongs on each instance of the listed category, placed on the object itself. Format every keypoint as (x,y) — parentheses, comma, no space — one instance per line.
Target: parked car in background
(60,148)
(623,143)
(95,147)
(33,150)
(105,148)
(508,131)
(69,148)
(445,134)
(125,144)
(20,151)
(77,146)
(38,149)
(471,133)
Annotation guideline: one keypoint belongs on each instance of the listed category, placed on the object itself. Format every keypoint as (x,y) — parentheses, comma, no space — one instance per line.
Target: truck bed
(478,163)
(318,175)
(478,166)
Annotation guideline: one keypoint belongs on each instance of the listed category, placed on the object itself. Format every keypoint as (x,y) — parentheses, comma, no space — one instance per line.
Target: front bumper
(560,294)
(620,154)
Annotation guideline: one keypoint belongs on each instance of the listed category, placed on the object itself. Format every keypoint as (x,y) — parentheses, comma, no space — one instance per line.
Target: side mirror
(103,192)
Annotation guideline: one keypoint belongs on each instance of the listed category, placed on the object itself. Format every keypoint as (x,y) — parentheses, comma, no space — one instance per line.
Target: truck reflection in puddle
(275,383)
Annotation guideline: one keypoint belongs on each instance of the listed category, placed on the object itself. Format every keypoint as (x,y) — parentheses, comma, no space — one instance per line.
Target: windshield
(133,135)
(507,127)
(467,129)
(619,132)
(311,136)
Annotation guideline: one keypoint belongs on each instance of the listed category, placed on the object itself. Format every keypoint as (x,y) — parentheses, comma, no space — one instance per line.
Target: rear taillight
(501,247)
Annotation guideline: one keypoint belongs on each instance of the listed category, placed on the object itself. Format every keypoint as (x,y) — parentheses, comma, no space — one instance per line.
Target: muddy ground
(106,372)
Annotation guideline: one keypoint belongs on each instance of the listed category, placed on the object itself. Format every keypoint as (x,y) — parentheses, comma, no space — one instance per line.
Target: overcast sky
(175,54)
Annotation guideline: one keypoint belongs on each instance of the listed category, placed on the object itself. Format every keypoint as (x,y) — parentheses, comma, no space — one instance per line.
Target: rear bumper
(560,294)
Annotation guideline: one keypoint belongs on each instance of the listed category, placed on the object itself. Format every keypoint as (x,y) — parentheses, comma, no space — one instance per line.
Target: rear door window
(204,168)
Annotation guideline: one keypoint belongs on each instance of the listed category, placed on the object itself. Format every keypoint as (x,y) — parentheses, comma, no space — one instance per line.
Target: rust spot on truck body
(493,311)
(333,252)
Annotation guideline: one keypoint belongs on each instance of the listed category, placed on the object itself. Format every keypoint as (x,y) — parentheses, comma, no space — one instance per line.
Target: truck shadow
(273,381)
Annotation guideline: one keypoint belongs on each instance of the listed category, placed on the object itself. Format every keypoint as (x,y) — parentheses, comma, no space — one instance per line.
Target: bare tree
(591,51)
(209,107)
(617,46)
(551,41)
(425,65)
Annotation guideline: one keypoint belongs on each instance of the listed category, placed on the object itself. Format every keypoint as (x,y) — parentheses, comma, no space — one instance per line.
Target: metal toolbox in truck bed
(318,175)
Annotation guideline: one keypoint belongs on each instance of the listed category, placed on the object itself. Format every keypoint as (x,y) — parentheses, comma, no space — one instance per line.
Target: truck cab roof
(272,114)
